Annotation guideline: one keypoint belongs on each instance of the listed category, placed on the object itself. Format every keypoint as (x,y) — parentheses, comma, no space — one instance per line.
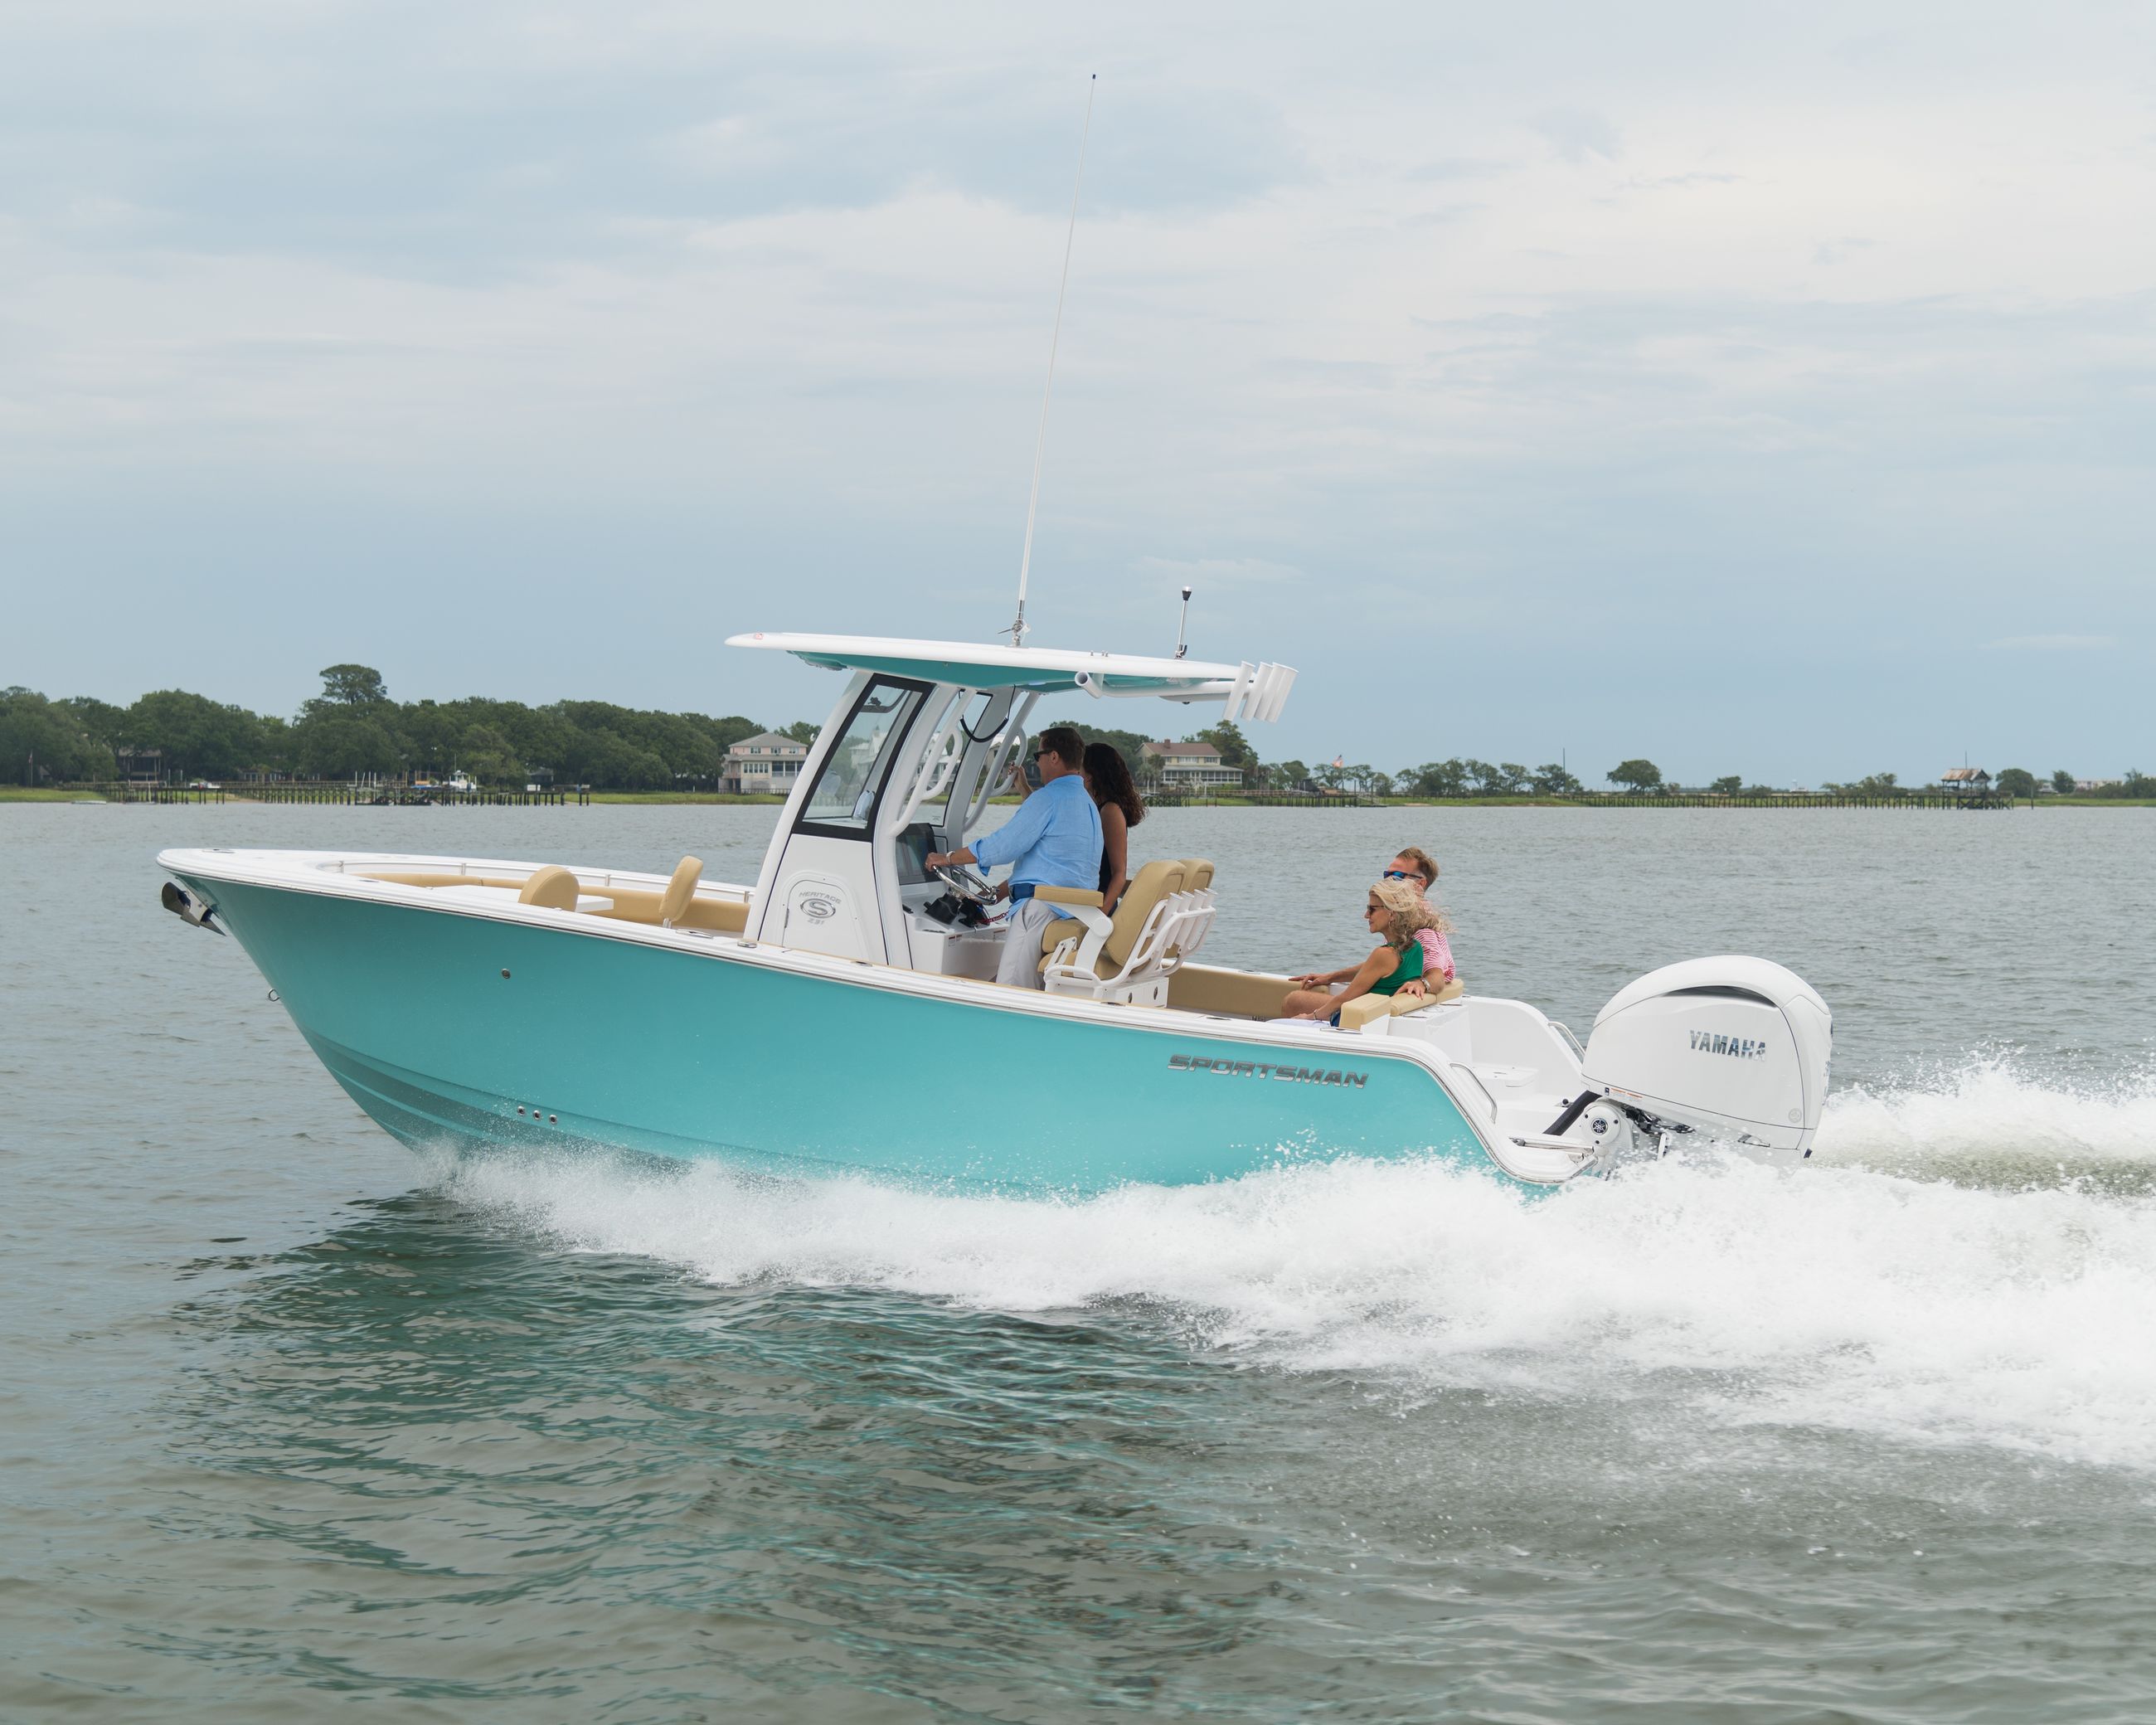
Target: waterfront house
(1190,766)
(1967,780)
(766,764)
(141,768)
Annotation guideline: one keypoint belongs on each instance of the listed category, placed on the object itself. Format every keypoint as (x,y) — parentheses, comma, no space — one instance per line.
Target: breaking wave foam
(1988,1124)
(1918,1282)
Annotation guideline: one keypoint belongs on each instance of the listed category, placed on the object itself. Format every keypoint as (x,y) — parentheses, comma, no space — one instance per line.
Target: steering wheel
(965,883)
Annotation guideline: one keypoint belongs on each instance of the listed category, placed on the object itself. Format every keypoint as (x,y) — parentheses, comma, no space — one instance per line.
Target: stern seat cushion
(1368,1008)
(1236,993)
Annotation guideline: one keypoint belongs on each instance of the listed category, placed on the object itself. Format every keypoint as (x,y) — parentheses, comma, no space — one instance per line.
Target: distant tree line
(1437,778)
(2014,782)
(354,728)
(1466,777)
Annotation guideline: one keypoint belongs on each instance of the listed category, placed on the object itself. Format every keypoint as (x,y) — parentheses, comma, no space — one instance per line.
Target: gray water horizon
(291,1418)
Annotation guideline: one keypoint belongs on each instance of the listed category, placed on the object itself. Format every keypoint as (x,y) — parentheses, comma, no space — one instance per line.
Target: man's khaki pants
(1019,966)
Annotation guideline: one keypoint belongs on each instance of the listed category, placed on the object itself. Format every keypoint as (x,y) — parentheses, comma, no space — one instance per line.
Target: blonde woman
(1395,912)
(1412,869)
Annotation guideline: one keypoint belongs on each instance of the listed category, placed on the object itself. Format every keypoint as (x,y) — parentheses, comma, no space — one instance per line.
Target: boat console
(917,746)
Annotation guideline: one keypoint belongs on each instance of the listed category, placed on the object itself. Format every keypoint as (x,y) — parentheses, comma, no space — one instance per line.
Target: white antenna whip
(1041,438)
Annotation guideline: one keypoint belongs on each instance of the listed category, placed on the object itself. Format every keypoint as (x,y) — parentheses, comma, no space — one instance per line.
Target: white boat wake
(1931,1276)
(1986,1123)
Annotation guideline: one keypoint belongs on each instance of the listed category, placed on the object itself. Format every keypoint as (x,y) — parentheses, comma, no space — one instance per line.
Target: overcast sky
(1768,391)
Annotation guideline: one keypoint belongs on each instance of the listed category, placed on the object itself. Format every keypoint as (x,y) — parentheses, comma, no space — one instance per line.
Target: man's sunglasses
(1400,874)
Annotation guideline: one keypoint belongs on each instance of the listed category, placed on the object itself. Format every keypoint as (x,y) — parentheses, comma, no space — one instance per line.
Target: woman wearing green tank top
(1395,912)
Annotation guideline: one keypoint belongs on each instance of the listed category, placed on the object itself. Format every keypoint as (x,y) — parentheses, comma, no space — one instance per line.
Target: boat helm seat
(1154,883)
(1198,880)
(1128,958)
(553,888)
(680,890)
(1197,877)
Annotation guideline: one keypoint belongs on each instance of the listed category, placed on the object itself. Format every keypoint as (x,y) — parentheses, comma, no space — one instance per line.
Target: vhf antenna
(1040,439)
(1182,628)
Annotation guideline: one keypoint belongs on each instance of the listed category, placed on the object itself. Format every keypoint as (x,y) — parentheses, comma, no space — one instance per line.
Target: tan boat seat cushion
(1367,1008)
(726,916)
(1236,993)
(628,904)
(679,889)
(553,888)
(398,877)
(1068,895)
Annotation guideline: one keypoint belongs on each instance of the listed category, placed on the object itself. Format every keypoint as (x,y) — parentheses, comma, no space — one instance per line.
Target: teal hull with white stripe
(486,1031)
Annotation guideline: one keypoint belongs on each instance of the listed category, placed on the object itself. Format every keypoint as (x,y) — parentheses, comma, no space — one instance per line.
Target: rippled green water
(289,1417)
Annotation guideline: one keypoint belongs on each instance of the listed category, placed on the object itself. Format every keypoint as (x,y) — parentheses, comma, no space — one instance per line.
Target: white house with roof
(764,764)
(1190,766)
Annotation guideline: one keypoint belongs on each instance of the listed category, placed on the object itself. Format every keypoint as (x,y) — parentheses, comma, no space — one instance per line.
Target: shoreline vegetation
(353,743)
(240,794)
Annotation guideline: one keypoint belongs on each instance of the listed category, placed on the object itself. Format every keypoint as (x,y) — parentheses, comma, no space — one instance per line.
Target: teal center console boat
(834,1015)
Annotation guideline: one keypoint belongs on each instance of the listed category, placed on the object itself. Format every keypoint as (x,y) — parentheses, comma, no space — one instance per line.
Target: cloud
(1577,135)
(1213,574)
(483,310)
(1834,251)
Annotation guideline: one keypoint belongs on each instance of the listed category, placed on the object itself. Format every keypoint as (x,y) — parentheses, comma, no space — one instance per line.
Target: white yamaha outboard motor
(1737,1048)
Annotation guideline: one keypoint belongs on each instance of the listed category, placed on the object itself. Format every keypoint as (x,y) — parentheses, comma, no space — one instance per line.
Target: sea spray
(1990,1122)
(1715,1290)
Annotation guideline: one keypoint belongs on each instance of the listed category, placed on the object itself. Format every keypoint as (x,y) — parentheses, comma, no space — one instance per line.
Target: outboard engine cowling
(1736,1047)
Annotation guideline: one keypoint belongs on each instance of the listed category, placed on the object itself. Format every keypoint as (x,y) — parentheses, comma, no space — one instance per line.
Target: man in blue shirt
(1054,840)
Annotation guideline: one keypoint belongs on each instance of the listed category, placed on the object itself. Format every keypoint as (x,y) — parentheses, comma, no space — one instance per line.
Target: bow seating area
(678,906)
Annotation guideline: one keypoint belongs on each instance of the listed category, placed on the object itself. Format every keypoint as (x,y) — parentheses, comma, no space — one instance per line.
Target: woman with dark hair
(1108,778)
